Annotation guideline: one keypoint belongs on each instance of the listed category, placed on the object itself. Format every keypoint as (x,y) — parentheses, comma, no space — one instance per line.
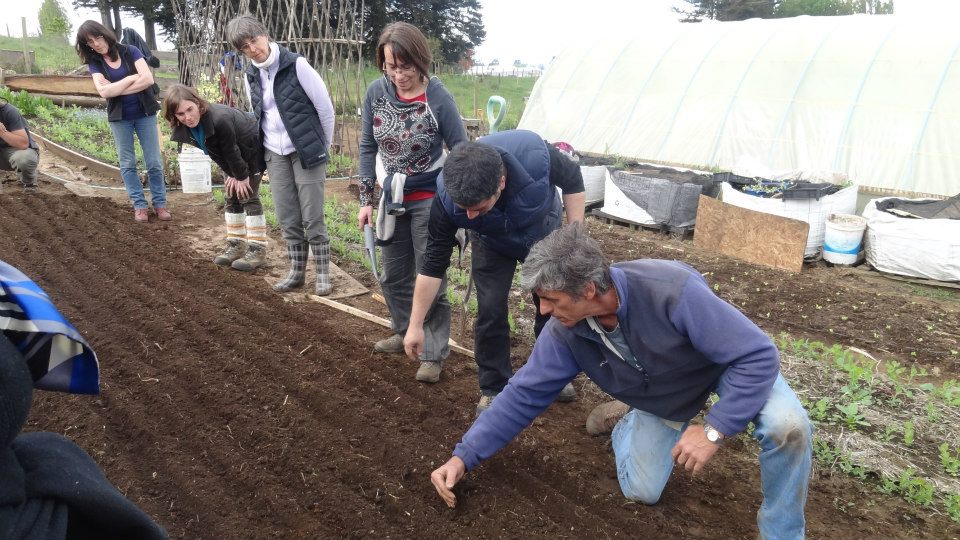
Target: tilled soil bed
(228,412)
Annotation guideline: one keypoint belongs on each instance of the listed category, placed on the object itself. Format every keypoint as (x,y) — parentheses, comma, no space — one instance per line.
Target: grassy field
(472,92)
(52,54)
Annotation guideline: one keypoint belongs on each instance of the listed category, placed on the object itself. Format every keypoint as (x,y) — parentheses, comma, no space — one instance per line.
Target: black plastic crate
(810,190)
(734,179)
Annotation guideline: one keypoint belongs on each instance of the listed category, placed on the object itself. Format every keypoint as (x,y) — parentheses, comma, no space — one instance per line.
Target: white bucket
(843,238)
(194,170)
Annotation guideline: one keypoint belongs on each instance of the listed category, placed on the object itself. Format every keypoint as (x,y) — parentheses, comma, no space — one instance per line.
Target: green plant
(952,502)
(339,165)
(818,412)
(950,460)
(851,415)
(908,433)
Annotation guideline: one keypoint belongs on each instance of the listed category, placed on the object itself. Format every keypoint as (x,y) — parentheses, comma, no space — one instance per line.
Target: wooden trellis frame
(328,33)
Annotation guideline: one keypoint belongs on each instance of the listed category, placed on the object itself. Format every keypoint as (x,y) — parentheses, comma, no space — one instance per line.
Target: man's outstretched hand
(447,476)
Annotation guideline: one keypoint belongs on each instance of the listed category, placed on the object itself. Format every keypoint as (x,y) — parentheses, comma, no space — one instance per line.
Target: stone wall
(14,60)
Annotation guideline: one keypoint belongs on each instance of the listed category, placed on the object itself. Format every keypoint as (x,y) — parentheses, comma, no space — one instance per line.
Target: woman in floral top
(408,116)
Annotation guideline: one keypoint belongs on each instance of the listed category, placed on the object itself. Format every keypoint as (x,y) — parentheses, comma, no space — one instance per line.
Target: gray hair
(567,260)
(242,29)
(472,173)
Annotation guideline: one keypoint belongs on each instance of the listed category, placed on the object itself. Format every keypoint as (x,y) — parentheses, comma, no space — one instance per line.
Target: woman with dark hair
(232,140)
(123,78)
(295,118)
(408,117)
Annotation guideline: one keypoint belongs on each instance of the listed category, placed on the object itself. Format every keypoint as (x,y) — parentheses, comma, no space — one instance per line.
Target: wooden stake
(454,346)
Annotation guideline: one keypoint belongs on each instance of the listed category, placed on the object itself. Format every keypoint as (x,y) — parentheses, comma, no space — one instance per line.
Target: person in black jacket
(231,138)
(122,77)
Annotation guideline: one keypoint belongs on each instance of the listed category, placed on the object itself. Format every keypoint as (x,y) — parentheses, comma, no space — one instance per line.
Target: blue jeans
(642,444)
(146,130)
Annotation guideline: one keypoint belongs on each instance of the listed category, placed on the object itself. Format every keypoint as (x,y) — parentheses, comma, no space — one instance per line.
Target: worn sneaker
(568,394)
(254,258)
(604,416)
(140,215)
(234,250)
(31,189)
(485,402)
(429,372)
(390,345)
(163,214)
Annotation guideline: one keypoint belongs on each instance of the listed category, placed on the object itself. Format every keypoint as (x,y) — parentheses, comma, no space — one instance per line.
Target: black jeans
(492,277)
(251,206)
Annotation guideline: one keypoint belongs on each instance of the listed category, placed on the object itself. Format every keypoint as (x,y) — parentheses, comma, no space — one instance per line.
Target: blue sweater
(685,339)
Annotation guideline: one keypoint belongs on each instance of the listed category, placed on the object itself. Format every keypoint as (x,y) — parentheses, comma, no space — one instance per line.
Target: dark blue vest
(296,110)
(529,207)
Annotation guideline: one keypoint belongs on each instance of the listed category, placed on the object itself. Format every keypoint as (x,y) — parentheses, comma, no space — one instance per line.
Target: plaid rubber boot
(298,267)
(321,255)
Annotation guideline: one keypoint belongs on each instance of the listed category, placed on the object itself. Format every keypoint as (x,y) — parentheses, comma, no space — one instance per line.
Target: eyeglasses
(94,40)
(406,69)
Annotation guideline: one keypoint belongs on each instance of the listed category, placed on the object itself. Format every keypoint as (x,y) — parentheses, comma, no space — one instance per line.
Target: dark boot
(232,252)
(255,257)
(298,267)
(321,255)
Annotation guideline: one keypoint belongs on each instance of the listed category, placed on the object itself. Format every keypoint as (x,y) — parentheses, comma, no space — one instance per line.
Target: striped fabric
(257,229)
(57,354)
(235,227)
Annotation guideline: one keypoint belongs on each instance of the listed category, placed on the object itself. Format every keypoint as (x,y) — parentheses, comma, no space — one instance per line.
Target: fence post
(26,56)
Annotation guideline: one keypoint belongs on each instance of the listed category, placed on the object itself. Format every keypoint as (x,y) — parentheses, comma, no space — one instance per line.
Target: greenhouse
(870,99)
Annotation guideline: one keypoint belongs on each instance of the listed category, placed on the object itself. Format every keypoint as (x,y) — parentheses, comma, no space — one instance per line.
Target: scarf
(272,59)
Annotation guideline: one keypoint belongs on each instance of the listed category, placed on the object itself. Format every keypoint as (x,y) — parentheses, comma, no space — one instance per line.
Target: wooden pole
(26,55)
(454,346)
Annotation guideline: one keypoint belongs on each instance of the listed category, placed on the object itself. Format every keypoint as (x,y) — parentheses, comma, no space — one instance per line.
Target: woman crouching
(231,138)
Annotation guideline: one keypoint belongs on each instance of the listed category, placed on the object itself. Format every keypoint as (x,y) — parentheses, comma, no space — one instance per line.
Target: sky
(532,31)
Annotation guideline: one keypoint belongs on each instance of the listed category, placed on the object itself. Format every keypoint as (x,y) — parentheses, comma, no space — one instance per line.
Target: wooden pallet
(608,219)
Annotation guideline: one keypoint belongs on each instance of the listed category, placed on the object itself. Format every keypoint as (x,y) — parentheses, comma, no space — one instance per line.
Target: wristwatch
(713,435)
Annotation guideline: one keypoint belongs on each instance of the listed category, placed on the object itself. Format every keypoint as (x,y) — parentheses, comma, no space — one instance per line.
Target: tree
(153,12)
(794,8)
(105,7)
(53,19)
(725,10)
(457,24)
(738,10)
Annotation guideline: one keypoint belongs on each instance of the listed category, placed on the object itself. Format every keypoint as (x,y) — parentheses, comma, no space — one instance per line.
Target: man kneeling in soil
(18,151)
(652,334)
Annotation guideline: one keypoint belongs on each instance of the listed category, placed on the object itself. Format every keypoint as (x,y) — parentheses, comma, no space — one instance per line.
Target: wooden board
(454,346)
(751,236)
(74,85)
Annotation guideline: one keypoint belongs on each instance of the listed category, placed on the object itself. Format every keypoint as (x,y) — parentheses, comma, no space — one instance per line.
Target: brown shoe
(140,215)
(390,345)
(605,416)
(429,372)
(163,214)
(485,402)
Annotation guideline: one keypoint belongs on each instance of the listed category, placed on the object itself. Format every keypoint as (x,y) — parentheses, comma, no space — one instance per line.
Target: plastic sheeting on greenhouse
(872,98)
